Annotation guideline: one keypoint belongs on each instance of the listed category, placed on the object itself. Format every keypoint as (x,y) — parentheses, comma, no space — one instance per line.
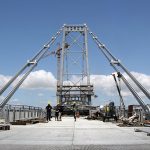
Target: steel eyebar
(138,98)
(32,62)
(116,61)
(48,43)
(136,82)
(28,62)
(101,45)
(113,61)
(16,87)
(47,46)
(102,50)
(12,79)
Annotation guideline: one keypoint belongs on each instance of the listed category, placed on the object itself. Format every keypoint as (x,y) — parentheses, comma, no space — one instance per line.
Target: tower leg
(89,100)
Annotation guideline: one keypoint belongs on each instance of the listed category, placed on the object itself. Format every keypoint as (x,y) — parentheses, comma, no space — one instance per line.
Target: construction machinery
(122,105)
(109,112)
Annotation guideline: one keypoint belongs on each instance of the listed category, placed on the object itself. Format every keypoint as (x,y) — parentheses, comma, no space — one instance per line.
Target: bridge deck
(67,134)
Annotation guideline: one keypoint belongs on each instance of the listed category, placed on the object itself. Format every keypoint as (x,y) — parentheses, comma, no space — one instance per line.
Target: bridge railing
(14,113)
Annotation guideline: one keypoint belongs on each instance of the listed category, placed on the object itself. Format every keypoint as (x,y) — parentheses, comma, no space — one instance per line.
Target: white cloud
(143,79)
(4,80)
(102,83)
(107,84)
(40,80)
(36,80)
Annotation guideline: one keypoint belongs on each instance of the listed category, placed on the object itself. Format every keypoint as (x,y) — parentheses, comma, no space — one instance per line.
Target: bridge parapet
(14,113)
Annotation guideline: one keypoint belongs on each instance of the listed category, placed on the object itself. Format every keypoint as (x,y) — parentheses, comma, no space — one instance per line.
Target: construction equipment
(122,105)
(109,112)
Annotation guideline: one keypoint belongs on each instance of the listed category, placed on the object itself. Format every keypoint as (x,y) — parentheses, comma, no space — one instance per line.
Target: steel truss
(74,62)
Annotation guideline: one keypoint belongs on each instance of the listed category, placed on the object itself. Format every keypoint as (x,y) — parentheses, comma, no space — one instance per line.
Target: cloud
(36,80)
(40,80)
(4,80)
(105,84)
(143,79)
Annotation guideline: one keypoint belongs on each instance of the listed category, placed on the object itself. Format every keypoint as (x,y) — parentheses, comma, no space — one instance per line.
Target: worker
(74,110)
(60,108)
(56,112)
(48,112)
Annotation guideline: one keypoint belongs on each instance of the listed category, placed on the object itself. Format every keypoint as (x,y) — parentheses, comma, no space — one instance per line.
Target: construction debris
(28,121)
(131,121)
(147,123)
(4,127)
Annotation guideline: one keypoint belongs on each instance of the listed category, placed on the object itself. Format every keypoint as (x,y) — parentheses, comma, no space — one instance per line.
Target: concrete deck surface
(67,134)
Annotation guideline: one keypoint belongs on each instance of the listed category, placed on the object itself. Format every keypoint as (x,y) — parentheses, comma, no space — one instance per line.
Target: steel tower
(73,72)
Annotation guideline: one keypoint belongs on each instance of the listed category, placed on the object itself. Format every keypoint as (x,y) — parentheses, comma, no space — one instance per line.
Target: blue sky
(25,26)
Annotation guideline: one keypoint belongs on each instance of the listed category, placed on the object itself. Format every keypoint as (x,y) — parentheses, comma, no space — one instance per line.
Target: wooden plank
(4,127)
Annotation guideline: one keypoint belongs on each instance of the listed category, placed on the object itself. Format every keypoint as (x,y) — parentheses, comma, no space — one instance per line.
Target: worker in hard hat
(56,112)
(74,108)
(60,108)
(48,112)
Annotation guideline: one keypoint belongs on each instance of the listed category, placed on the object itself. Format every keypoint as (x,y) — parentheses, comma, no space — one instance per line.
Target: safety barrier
(12,113)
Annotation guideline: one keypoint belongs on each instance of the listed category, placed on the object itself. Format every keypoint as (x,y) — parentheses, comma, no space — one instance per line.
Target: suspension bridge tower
(73,78)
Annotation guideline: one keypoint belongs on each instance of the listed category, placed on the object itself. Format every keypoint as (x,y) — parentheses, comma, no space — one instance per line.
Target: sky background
(25,26)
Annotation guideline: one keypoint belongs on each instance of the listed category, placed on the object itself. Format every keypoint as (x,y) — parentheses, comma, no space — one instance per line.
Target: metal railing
(12,113)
